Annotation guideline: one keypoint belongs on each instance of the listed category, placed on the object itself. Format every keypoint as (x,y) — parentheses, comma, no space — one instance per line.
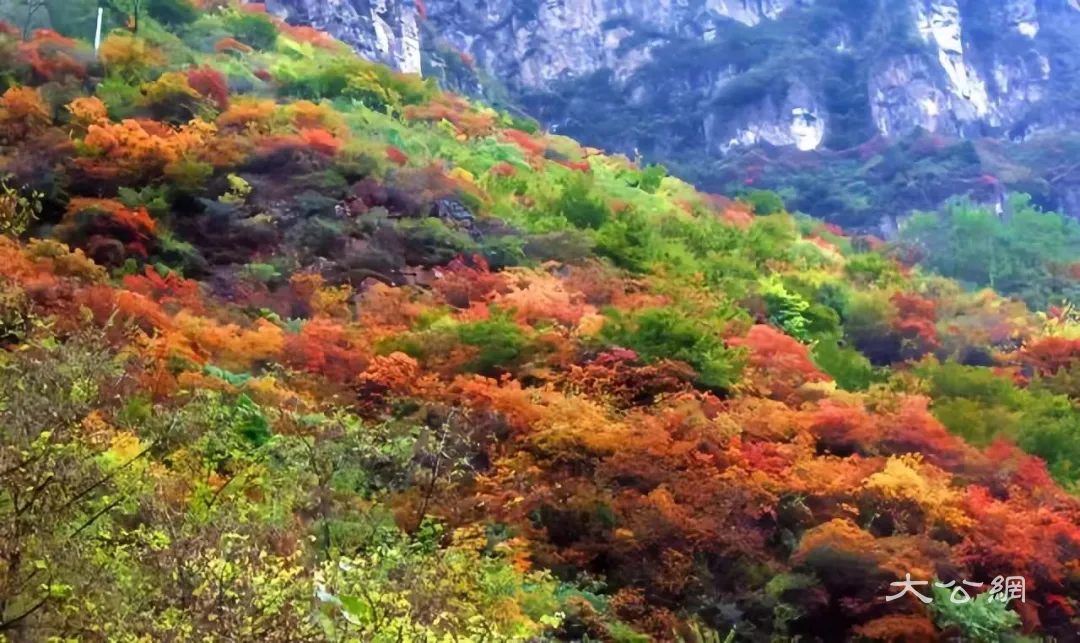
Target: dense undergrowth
(298,349)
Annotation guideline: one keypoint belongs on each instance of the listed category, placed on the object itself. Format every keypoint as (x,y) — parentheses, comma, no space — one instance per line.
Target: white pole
(97,37)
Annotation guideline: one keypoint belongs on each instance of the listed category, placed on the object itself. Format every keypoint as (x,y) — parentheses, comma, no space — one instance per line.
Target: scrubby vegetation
(299,349)
(882,180)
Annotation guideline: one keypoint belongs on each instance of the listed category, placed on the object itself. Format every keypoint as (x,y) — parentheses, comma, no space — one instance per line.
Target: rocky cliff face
(689,81)
(383,30)
(806,73)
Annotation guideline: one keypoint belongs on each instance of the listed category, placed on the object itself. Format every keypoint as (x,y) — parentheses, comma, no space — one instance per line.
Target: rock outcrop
(687,82)
(807,73)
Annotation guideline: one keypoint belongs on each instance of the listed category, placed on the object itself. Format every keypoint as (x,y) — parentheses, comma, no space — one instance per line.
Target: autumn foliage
(22,114)
(420,371)
(211,84)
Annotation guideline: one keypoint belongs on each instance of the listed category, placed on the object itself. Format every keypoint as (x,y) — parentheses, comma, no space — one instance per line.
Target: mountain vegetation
(295,348)
(882,181)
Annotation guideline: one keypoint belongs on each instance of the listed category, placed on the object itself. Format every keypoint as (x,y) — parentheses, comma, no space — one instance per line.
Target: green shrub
(770,237)
(822,321)
(1015,254)
(952,379)
(173,12)
(667,333)
(978,423)
(833,294)
(979,620)
(15,315)
(764,202)
(870,268)
(430,242)
(316,79)
(121,98)
(567,246)
(578,206)
(524,124)
(868,317)
(705,236)
(628,240)
(850,368)
(785,309)
(651,178)
(154,199)
(205,33)
(319,236)
(731,273)
(248,420)
(181,255)
(262,272)
(868,314)
(499,339)
(252,29)
(313,204)
(18,208)
(1050,429)
(503,252)
(188,175)
(981,407)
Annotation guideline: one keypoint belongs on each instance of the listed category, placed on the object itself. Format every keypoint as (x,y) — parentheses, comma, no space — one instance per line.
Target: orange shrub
(109,230)
(842,428)
(456,111)
(22,113)
(168,289)
(738,214)
(898,628)
(254,115)
(87,110)
(305,114)
(144,311)
(304,33)
(17,264)
(396,373)
(915,323)
(461,285)
(233,347)
(138,220)
(580,166)
(232,44)
(140,148)
(778,364)
(321,299)
(321,141)
(523,140)
(1051,354)
(543,297)
(328,348)
(64,262)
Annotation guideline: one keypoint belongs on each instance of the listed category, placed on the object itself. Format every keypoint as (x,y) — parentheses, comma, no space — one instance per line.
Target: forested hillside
(295,348)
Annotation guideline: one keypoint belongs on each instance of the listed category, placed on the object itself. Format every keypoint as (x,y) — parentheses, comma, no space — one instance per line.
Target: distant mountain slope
(686,83)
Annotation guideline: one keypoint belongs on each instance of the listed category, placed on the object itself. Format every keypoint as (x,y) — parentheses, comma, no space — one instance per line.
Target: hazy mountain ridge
(687,83)
(951,67)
